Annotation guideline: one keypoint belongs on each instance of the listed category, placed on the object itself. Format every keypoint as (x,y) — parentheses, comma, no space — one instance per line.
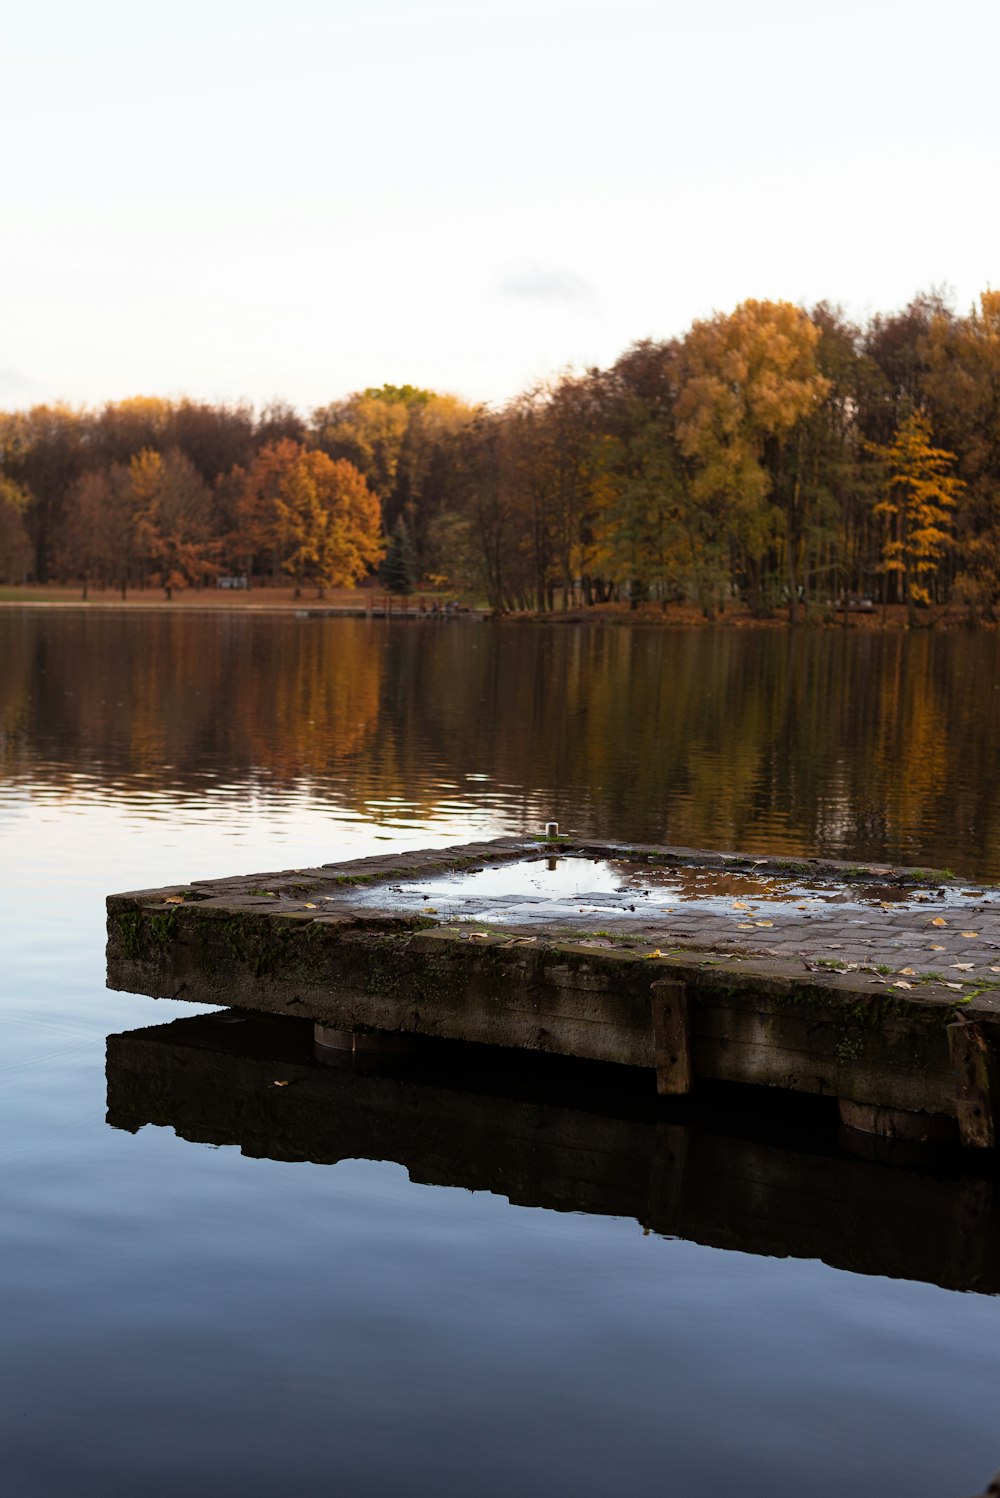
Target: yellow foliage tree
(748,378)
(366,431)
(921,491)
(328,522)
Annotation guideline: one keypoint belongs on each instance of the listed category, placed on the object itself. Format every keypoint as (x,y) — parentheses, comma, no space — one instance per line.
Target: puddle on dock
(556,888)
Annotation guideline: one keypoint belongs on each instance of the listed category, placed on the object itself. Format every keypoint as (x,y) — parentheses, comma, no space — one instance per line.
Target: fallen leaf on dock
(474,936)
(954,985)
(994,968)
(970,933)
(739,905)
(309,905)
(745,926)
(279,1084)
(174,900)
(966,967)
(939,920)
(763,923)
(902,984)
(907,972)
(657,953)
(936,948)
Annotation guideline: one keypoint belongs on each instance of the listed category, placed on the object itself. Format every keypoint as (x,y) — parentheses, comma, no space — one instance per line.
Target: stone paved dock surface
(834,915)
(877,985)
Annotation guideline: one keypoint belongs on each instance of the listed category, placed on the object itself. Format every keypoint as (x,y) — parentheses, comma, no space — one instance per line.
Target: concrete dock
(876,986)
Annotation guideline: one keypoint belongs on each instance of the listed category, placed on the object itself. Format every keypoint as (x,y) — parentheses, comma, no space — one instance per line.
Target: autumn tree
(920,493)
(255,539)
(326,520)
(99,539)
(279,422)
(424,481)
(482,542)
(367,430)
(173,518)
(963,390)
(897,345)
(87,542)
(43,450)
(15,543)
(828,493)
(749,378)
(565,467)
(653,535)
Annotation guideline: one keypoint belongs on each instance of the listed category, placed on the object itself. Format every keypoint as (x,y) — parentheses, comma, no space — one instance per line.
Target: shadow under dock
(734,1168)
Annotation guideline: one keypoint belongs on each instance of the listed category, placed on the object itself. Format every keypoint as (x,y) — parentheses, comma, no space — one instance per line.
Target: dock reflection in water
(731,1168)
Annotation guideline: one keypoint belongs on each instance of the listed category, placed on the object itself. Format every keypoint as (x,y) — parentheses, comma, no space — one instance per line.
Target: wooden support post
(362,1042)
(897,1124)
(671,1038)
(331,1039)
(975,1084)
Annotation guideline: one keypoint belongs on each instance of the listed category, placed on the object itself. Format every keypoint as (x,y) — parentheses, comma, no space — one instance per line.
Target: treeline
(783,458)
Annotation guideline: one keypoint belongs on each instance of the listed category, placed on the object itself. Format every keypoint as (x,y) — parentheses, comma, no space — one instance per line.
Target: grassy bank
(283,599)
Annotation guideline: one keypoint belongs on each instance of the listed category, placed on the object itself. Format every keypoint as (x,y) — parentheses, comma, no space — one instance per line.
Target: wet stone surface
(877,918)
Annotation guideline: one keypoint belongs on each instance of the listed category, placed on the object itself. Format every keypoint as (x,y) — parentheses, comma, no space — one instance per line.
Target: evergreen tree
(399,567)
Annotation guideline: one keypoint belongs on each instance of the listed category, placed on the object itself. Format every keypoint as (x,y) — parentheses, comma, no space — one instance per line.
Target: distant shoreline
(280,603)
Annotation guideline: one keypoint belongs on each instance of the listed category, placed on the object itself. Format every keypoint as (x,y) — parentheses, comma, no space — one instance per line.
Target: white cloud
(547,283)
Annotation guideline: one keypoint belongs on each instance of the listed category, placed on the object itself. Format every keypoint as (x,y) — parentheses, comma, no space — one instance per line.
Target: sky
(227,199)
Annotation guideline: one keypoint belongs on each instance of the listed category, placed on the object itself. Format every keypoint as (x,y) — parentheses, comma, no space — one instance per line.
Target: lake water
(232,1317)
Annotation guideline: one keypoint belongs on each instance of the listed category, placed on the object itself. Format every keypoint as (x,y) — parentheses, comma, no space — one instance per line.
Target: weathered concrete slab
(768,1178)
(819,978)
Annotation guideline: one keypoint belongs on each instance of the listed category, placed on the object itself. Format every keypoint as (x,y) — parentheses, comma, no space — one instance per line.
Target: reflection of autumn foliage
(15,692)
(162,703)
(913,750)
(318,703)
(860,746)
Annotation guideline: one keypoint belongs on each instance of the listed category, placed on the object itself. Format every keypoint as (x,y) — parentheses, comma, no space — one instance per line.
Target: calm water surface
(184,1319)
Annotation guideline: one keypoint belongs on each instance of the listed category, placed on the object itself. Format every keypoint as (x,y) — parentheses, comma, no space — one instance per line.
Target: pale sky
(230,198)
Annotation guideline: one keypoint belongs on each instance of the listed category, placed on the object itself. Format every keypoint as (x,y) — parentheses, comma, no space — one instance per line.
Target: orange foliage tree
(314,513)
